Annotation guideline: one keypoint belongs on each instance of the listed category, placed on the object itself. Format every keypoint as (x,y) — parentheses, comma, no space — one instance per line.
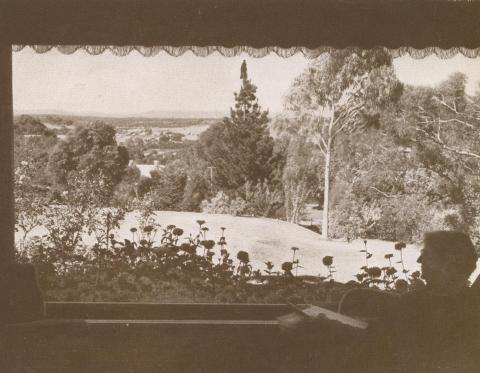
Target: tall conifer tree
(240,147)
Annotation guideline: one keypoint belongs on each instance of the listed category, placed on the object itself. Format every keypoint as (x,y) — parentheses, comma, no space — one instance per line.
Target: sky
(109,85)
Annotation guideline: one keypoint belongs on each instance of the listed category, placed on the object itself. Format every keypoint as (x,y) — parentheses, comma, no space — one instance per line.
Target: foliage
(27,125)
(168,185)
(251,200)
(33,143)
(240,148)
(196,190)
(260,199)
(392,167)
(163,264)
(221,203)
(136,149)
(132,186)
(300,176)
(387,277)
(399,181)
(90,151)
(340,93)
(442,125)
(30,200)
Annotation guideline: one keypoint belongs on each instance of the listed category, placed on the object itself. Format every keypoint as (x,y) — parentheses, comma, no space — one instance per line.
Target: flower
(188,248)
(391,271)
(388,256)
(327,260)
(243,257)
(208,244)
(374,271)
(360,277)
(416,275)
(148,228)
(201,222)
(287,266)
(177,231)
(400,245)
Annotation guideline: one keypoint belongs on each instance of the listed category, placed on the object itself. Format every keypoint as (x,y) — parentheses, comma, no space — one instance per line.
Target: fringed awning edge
(238,50)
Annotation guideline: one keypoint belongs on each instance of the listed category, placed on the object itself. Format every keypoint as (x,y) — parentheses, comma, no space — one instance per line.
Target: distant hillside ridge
(154,114)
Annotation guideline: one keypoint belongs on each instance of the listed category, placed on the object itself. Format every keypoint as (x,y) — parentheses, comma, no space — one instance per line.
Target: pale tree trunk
(326,192)
(293,218)
(295,196)
(288,203)
(296,201)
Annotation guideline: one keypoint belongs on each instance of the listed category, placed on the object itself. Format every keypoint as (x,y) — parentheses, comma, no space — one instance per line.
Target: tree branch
(382,192)
(349,116)
(437,139)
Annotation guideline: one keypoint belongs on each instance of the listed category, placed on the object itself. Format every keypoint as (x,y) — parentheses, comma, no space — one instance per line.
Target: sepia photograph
(238,207)
(245,180)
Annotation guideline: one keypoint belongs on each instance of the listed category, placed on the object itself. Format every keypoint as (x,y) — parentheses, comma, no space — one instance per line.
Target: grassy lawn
(268,239)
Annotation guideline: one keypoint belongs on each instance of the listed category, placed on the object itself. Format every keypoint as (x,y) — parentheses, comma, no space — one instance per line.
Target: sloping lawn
(269,239)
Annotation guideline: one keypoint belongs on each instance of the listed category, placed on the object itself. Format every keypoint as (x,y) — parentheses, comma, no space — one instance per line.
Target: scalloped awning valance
(235,51)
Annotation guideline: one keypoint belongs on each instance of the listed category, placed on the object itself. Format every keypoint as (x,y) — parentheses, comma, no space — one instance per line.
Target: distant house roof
(145,169)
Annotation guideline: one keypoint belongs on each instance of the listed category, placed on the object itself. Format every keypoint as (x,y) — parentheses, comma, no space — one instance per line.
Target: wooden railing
(156,311)
(130,337)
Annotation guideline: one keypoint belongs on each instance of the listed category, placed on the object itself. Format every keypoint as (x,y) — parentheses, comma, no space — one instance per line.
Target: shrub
(223,204)
(253,200)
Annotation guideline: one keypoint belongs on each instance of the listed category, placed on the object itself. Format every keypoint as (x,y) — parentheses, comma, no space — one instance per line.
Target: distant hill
(154,114)
(183,114)
(52,120)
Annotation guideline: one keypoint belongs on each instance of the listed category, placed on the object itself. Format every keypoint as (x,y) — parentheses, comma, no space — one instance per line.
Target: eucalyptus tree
(340,93)
(442,125)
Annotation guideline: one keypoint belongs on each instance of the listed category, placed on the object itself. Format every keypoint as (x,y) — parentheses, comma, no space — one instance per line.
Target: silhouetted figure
(436,329)
(432,330)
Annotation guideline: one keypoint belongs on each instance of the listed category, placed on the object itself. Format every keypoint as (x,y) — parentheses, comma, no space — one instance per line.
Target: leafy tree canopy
(28,125)
(340,93)
(418,173)
(348,88)
(91,151)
